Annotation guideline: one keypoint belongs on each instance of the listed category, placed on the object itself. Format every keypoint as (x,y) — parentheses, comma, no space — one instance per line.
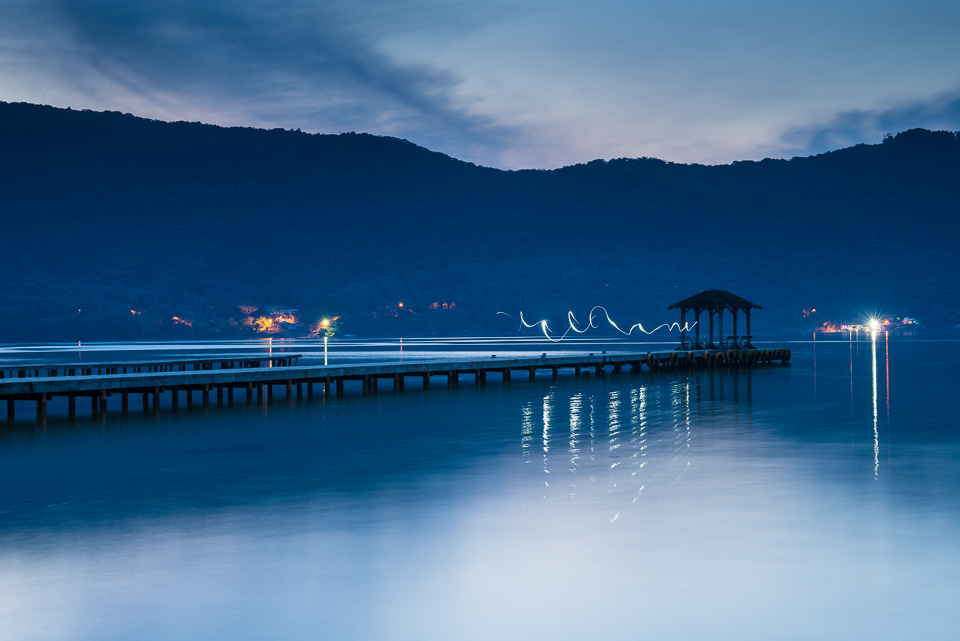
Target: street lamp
(325,326)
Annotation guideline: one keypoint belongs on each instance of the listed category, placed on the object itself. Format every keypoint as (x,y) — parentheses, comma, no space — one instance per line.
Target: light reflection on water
(772,503)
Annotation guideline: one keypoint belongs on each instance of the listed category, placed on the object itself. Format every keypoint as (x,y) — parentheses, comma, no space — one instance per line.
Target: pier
(254,378)
(256,375)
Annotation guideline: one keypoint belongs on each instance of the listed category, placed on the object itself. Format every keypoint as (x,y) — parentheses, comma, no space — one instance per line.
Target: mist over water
(817,500)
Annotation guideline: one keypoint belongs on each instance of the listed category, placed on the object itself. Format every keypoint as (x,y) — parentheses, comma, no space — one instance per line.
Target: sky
(506,83)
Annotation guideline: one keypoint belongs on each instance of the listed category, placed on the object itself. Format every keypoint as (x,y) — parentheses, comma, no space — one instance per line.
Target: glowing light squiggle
(572,321)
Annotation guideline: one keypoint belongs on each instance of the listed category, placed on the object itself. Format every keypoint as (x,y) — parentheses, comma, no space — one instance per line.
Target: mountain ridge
(111,212)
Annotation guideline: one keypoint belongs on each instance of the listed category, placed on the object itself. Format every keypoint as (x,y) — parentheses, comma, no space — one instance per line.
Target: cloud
(318,66)
(853,127)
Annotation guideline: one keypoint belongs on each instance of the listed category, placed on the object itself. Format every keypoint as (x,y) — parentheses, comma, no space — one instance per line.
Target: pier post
(174,398)
(300,390)
(269,392)
(206,396)
(289,390)
(366,385)
(426,381)
(230,395)
(156,400)
(41,409)
(532,373)
(189,393)
(71,406)
(103,403)
(219,395)
(94,406)
(249,394)
(146,402)
(326,387)
(599,369)
(452,378)
(340,387)
(11,414)
(481,377)
(576,371)
(259,393)
(506,375)
(617,368)
(309,389)
(555,371)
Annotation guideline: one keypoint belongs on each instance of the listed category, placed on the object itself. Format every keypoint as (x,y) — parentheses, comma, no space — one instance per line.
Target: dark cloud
(853,127)
(316,65)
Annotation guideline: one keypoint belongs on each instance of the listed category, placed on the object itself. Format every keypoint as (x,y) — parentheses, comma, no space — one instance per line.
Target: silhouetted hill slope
(108,213)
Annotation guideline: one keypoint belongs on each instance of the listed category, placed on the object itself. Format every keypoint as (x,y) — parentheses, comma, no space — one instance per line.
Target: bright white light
(544,325)
(873,324)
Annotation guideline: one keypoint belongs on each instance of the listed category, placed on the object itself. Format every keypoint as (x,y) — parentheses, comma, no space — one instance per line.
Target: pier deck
(151,379)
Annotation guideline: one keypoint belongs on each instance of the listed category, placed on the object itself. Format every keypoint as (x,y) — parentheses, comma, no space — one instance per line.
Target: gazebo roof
(715,299)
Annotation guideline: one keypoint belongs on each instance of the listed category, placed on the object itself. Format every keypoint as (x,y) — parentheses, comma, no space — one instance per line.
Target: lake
(818,500)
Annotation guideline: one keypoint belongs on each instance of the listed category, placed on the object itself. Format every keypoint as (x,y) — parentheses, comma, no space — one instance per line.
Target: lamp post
(325,328)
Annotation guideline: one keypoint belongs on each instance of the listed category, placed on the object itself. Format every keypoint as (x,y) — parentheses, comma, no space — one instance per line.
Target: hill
(114,225)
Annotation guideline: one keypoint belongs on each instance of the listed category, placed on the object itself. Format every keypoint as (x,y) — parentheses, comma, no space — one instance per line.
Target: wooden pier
(257,376)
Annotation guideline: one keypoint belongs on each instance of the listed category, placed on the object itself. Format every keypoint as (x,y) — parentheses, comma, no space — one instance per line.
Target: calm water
(815,501)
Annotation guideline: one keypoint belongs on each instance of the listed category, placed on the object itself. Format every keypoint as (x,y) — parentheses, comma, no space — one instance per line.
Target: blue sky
(511,84)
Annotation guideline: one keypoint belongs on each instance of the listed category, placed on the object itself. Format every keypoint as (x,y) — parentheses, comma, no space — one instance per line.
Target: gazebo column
(734,310)
(720,342)
(749,340)
(710,338)
(696,329)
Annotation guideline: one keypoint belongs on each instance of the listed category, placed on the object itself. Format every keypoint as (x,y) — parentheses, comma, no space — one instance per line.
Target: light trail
(572,321)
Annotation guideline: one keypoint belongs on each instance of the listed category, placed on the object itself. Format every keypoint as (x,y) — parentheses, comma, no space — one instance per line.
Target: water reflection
(876,434)
(613,435)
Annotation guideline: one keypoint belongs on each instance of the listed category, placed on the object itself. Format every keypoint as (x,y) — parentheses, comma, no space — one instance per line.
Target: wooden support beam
(41,409)
(71,406)
(205,396)
(124,403)
(532,373)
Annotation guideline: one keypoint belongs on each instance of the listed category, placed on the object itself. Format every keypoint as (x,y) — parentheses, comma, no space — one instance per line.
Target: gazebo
(715,301)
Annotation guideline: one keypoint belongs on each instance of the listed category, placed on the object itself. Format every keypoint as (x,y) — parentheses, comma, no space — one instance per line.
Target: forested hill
(114,225)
